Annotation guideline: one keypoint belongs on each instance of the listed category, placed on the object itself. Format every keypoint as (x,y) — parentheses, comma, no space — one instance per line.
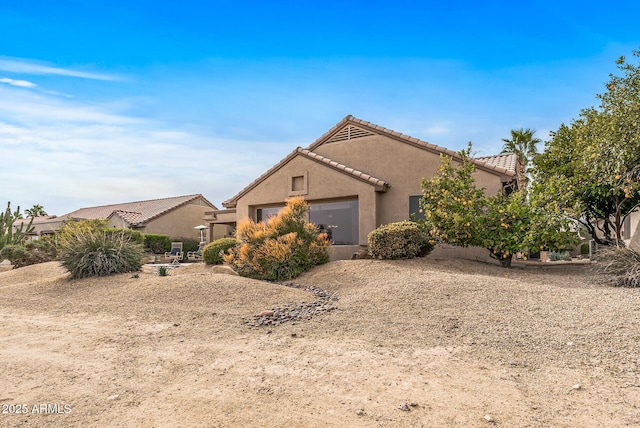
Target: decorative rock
(360,412)
(296,312)
(404,407)
(576,387)
(112,397)
(488,418)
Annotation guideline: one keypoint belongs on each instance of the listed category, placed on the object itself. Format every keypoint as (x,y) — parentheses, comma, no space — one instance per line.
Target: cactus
(9,235)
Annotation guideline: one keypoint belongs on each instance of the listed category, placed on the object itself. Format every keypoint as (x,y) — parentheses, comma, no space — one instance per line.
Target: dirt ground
(418,343)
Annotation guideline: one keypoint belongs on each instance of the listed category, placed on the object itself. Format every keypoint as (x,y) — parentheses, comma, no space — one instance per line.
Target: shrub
(189,245)
(279,248)
(555,256)
(156,243)
(134,235)
(212,253)
(617,266)
(400,240)
(33,252)
(96,252)
(584,249)
(162,271)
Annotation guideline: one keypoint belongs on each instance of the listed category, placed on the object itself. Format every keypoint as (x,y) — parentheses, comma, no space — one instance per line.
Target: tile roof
(498,165)
(137,213)
(380,185)
(507,161)
(39,219)
(349,119)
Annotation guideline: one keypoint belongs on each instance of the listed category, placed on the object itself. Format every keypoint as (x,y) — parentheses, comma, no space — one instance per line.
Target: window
(298,184)
(266,213)
(338,219)
(414,207)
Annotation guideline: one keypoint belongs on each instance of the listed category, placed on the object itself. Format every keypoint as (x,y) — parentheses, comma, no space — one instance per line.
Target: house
(42,225)
(175,216)
(355,177)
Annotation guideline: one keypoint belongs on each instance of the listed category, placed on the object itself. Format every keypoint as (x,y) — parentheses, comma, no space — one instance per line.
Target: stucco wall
(634,242)
(323,184)
(402,165)
(180,222)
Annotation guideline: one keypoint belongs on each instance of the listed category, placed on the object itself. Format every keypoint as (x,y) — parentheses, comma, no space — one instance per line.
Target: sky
(105,102)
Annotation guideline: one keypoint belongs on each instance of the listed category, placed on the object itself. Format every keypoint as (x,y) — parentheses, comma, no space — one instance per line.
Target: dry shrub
(279,248)
(617,266)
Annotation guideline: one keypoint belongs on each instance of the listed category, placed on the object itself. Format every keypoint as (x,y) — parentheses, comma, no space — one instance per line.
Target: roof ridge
(344,168)
(141,201)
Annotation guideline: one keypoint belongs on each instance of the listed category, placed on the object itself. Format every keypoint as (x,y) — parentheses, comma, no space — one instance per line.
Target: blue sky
(111,101)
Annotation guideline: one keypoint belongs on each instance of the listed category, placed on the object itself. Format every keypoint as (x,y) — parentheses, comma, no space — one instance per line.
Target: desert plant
(156,243)
(95,252)
(8,234)
(134,235)
(33,252)
(400,240)
(617,266)
(555,256)
(162,271)
(279,248)
(212,253)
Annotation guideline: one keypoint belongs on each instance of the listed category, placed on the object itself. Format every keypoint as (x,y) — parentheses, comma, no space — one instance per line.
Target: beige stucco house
(175,216)
(355,177)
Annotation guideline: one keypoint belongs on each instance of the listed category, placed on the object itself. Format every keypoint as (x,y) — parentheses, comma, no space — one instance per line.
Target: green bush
(584,249)
(400,240)
(134,235)
(279,248)
(156,243)
(189,245)
(555,256)
(33,252)
(212,253)
(93,252)
(617,266)
(15,253)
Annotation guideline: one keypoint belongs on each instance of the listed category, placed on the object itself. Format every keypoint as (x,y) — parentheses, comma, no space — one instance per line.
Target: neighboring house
(176,216)
(355,177)
(43,225)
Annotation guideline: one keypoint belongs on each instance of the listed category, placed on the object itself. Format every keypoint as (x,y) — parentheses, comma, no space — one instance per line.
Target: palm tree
(523,144)
(35,211)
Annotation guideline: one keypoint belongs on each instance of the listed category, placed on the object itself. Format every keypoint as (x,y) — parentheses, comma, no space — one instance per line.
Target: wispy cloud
(19,83)
(23,66)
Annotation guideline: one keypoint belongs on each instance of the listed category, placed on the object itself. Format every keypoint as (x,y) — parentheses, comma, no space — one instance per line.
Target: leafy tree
(9,234)
(524,145)
(460,214)
(35,211)
(591,167)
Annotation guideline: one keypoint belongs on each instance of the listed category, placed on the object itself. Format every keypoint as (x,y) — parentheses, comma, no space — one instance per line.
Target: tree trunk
(506,262)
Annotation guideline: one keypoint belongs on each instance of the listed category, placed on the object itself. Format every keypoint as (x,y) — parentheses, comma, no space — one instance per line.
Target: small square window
(299,184)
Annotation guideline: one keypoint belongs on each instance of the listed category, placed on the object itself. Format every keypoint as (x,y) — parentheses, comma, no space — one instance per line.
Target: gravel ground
(399,343)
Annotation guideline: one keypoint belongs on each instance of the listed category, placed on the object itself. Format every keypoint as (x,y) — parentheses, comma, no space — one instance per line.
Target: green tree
(591,167)
(35,211)
(460,214)
(524,144)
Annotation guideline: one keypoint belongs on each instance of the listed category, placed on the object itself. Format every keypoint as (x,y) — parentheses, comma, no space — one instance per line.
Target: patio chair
(196,256)
(176,254)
